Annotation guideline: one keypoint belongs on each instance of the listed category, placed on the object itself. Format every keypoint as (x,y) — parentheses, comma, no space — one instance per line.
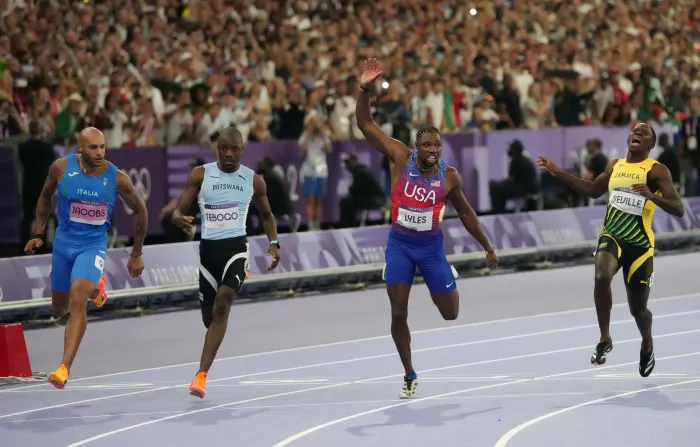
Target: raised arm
(669,200)
(467,214)
(188,194)
(381,141)
(132,198)
(592,189)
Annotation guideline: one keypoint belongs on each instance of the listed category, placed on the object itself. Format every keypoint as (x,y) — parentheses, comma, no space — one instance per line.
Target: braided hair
(425,129)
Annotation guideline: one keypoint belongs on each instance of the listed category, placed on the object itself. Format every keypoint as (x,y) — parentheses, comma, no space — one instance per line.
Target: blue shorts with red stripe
(404,253)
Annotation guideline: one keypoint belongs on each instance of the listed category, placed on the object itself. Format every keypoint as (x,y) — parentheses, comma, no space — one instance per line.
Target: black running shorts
(221,262)
(637,262)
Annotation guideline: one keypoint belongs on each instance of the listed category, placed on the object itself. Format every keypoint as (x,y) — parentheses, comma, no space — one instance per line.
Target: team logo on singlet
(88,212)
(221,217)
(627,201)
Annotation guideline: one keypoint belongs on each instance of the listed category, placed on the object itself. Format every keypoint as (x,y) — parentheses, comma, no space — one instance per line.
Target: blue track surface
(484,384)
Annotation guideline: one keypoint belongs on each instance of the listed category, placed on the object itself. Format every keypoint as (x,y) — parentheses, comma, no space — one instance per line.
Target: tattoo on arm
(135,202)
(43,205)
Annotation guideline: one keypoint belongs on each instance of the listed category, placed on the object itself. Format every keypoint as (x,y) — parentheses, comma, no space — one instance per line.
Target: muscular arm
(188,194)
(670,200)
(592,189)
(43,205)
(135,202)
(260,199)
(464,210)
(390,147)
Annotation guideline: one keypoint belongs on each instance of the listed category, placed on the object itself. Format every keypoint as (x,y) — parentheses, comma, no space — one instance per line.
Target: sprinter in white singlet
(224,190)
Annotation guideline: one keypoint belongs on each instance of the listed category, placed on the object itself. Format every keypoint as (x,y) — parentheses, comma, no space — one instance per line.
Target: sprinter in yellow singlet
(637,185)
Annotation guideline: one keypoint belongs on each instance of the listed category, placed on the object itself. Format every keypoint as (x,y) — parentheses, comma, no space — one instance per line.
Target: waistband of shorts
(414,238)
(229,242)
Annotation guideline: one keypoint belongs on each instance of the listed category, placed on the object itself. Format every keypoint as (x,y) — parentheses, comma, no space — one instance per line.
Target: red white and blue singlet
(415,238)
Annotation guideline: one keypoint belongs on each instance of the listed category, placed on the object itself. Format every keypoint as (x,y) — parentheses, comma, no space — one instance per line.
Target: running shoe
(59,378)
(602,349)
(100,297)
(646,362)
(409,386)
(198,384)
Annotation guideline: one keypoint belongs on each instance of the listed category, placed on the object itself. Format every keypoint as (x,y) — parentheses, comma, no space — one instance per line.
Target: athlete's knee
(450,313)
(603,277)
(399,313)
(222,301)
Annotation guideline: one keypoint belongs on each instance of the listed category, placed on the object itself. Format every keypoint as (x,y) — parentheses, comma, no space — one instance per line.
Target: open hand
(370,72)
(184,223)
(548,165)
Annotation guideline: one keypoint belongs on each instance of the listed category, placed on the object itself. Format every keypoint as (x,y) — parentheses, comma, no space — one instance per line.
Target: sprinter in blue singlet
(224,190)
(87,188)
(421,185)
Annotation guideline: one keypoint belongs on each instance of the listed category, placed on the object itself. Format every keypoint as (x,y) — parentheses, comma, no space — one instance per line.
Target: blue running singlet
(223,200)
(415,238)
(85,205)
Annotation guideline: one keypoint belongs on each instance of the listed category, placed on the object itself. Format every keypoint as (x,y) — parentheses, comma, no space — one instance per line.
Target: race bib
(692,143)
(419,219)
(88,212)
(627,201)
(221,217)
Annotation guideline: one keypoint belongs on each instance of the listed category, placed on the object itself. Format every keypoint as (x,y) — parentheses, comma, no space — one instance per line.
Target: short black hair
(426,129)
(653,136)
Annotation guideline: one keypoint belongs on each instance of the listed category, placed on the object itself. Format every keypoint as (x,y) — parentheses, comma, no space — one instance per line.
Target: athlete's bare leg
(80,291)
(60,303)
(605,268)
(637,299)
(447,303)
(398,297)
(217,329)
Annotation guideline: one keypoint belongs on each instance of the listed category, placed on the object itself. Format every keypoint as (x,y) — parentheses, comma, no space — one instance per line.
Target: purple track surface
(513,370)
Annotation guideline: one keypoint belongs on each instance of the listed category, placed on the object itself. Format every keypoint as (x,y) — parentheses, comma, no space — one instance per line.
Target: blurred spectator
(36,156)
(267,65)
(521,181)
(365,192)
(595,160)
(669,157)
(688,145)
(314,144)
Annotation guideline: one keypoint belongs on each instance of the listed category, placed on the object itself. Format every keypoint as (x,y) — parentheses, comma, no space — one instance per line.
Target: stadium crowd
(170,71)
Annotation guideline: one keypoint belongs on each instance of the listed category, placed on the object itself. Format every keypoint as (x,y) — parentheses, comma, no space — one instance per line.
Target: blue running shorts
(406,252)
(71,260)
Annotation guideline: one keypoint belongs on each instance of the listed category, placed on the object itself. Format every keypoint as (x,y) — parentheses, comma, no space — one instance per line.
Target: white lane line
(143,424)
(340,362)
(503,441)
(379,337)
(344,403)
(306,432)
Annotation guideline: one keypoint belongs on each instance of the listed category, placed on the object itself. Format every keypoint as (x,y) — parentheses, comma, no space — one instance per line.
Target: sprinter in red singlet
(421,183)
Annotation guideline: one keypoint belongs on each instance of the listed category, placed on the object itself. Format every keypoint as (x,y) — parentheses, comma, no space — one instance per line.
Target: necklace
(80,164)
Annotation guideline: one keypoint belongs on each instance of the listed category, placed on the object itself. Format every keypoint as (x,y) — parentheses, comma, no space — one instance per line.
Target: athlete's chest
(76,186)
(416,190)
(217,186)
(625,175)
